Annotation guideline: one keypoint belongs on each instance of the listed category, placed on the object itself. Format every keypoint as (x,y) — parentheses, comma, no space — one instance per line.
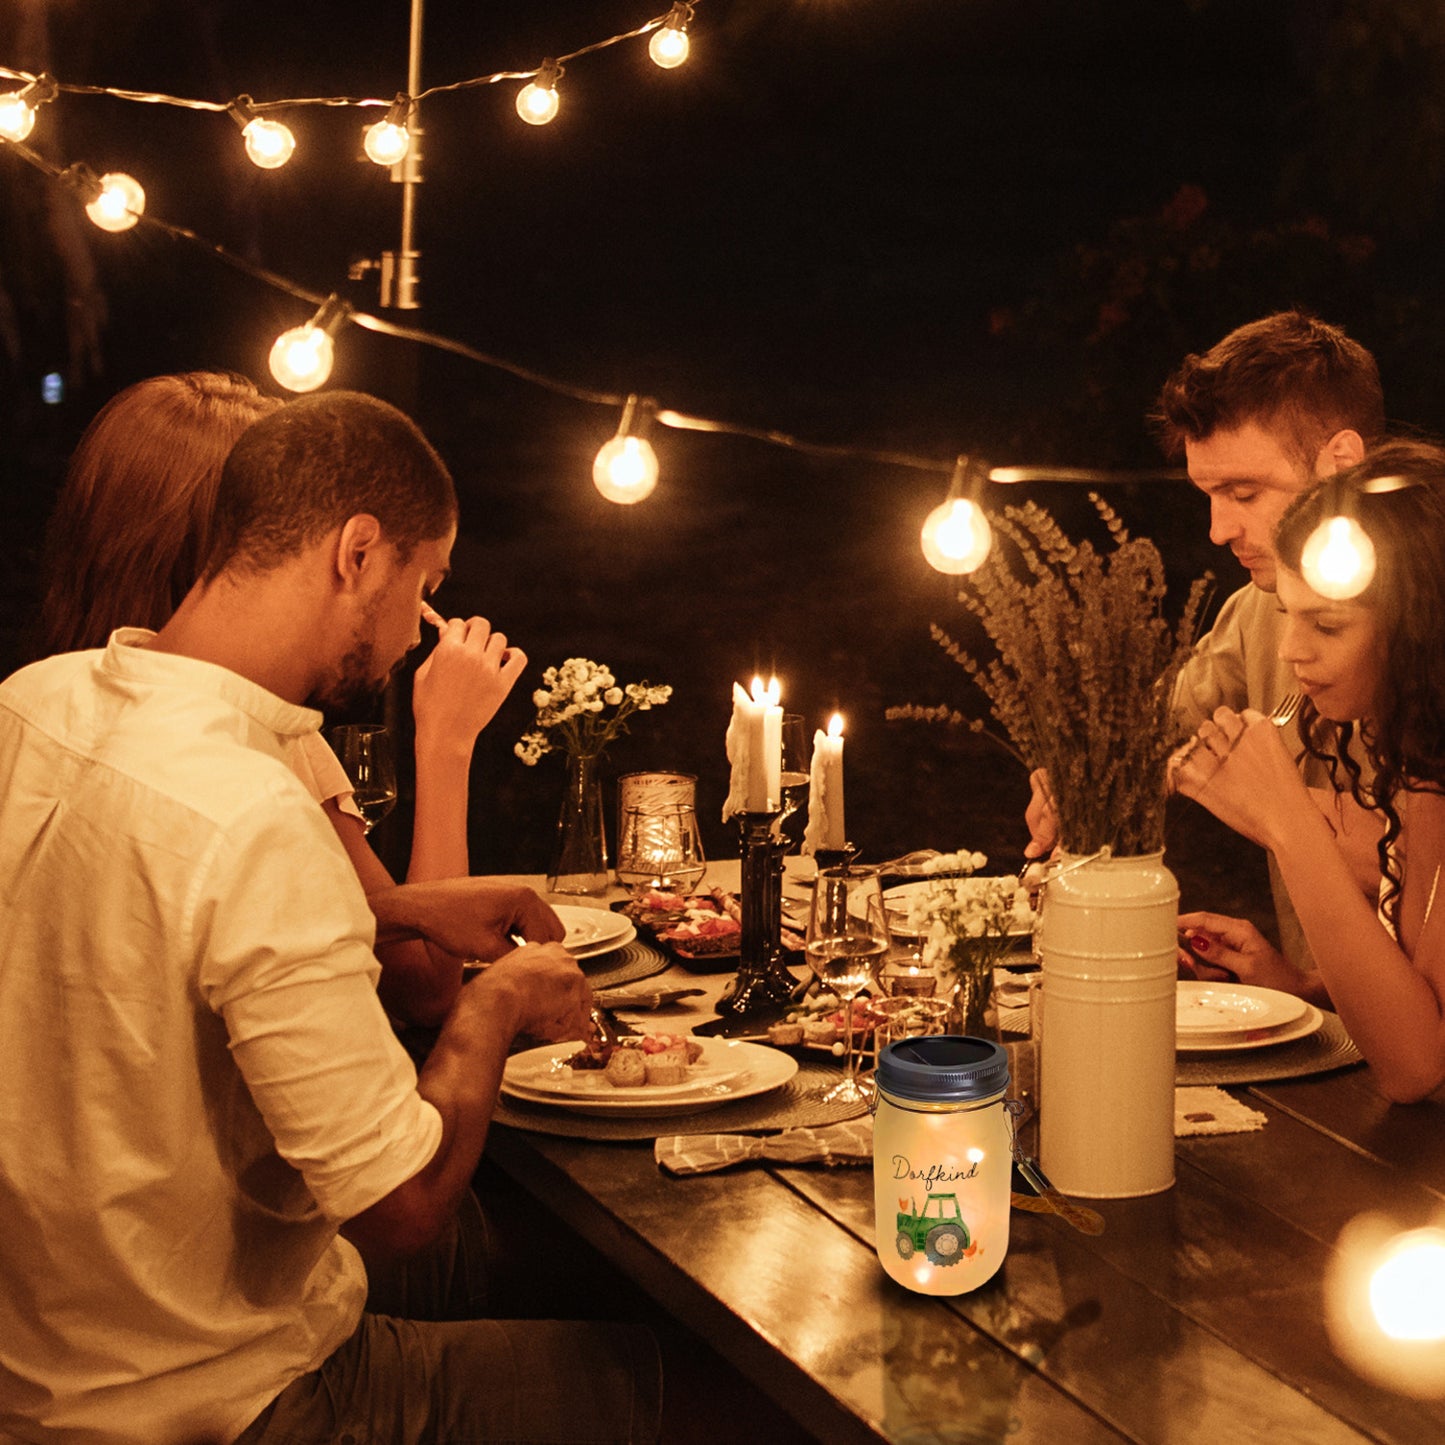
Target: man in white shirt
(203,1111)
(1260,417)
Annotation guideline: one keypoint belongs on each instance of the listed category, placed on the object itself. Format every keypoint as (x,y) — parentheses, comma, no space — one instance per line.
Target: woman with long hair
(1372,670)
(128,537)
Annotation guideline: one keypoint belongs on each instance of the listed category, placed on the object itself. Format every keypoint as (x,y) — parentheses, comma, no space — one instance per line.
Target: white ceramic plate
(899,899)
(1204,1009)
(593,930)
(728,1070)
(1309,1022)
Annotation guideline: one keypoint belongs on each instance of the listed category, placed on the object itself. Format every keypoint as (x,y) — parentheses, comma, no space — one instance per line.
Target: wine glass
(659,847)
(366,753)
(847,937)
(793,779)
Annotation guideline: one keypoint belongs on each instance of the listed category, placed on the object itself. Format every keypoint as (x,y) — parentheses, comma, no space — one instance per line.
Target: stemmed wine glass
(847,937)
(366,753)
(793,780)
(660,847)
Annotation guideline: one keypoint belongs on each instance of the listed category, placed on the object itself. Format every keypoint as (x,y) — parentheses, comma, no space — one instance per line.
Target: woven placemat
(790,1106)
(1329,1047)
(623,965)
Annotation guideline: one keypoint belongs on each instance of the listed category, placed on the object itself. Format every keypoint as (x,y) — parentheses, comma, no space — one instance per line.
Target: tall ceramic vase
(579,863)
(1106,1094)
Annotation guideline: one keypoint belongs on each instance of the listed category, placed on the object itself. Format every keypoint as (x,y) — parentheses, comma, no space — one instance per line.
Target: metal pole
(399,277)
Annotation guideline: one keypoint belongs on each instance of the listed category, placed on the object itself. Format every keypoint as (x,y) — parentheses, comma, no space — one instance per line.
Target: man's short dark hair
(295,475)
(1290,374)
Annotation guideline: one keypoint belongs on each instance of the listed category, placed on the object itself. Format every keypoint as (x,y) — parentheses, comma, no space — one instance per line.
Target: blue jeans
(422,1367)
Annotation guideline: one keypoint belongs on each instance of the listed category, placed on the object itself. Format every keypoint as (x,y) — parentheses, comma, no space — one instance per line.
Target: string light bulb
(956,534)
(18,107)
(1338,558)
(1385,1303)
(626,467)
(538,101)
(387,141)
(269,143)
(301,358)
(669,44)
(119,203)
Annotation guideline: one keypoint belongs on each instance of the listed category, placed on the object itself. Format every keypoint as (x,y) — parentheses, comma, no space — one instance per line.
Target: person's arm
(469,917)
(455,694)
(1392,1003)
(537,990)
(419,981)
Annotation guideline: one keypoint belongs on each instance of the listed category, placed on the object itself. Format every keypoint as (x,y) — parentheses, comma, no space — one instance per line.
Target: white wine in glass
(366,753)
(846,941)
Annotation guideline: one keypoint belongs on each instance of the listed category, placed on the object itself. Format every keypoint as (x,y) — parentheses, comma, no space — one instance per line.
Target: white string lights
(956,536)
(18,107)
(301,359)
(538,101)
(269,143)
(626,467)
(386,142)
(669,44)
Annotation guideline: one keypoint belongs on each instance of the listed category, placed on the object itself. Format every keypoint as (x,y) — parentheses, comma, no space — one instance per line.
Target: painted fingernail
(1200,942)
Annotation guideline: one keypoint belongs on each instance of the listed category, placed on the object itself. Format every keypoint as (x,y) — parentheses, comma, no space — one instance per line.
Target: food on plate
(785,1035)
(634,1063)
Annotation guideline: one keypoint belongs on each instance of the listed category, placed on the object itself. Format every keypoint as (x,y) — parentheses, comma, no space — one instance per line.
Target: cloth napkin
(850,1142)
(1203,1109)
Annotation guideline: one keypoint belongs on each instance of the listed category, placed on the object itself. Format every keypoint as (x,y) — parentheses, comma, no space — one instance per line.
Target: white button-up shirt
(197,1082)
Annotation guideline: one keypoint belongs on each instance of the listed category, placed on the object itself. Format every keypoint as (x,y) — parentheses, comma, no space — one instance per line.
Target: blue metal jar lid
(943,1068)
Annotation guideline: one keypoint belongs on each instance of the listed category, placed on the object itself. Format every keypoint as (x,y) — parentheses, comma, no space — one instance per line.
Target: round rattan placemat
(792,1105)
(627,964)
(1329,1047)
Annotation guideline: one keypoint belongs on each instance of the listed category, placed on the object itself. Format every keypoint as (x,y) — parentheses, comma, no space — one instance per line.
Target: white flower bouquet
(580,709)
(966,923)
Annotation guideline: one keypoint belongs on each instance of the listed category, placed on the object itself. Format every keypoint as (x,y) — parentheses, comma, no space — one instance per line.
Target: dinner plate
(899,899)
(1310,1021)
(593,930)
(728,1070)
(1204,1009)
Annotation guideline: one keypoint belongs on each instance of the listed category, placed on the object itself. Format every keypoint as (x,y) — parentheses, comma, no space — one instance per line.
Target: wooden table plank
(1099,1334)
(797,1304)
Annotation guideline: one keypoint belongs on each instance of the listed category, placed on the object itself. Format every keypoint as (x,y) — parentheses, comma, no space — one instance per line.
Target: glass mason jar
(942,1162)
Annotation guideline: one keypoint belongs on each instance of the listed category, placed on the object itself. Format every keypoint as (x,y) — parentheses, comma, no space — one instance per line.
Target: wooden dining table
(1197,1314)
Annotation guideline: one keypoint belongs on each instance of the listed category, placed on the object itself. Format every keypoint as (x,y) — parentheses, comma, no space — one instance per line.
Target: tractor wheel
(906,1245)
(945,1244)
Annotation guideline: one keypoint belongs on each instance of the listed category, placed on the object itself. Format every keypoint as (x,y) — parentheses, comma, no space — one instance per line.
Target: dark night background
(926,226)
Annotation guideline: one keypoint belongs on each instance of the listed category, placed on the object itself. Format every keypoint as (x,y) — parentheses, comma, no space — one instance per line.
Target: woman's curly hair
(1397,494)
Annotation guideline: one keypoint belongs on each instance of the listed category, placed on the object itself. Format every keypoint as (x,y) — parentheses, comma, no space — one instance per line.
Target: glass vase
(972,993)
(579,862)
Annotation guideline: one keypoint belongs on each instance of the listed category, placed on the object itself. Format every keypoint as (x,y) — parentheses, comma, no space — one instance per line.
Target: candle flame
(759,693)
(835,725)
(775,691)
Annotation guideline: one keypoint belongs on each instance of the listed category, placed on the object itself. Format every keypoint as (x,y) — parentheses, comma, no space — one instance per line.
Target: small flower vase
(972,992)
(579,864)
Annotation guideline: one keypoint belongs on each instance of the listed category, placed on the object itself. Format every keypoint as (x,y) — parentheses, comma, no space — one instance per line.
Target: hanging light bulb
(626,467)
(119,204)
(956,535)
(668,46)
(387,142)
(1338,559)
(18,107)
(538,101)
(301,358)
(269,144)
(1385,1303)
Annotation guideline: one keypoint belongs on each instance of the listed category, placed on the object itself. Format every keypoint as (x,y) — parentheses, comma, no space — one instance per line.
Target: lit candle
(755,750)
(826,828)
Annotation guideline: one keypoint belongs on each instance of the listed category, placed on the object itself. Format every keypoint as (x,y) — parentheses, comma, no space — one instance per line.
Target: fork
(1286,708)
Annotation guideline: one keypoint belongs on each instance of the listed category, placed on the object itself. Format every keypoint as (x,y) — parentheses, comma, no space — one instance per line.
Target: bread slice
(666,1068)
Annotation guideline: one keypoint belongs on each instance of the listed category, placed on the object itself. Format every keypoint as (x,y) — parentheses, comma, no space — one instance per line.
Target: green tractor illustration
(938,1230)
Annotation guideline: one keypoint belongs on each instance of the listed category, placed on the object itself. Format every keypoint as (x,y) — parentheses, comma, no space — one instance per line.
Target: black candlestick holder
(763,981)
(836,857)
